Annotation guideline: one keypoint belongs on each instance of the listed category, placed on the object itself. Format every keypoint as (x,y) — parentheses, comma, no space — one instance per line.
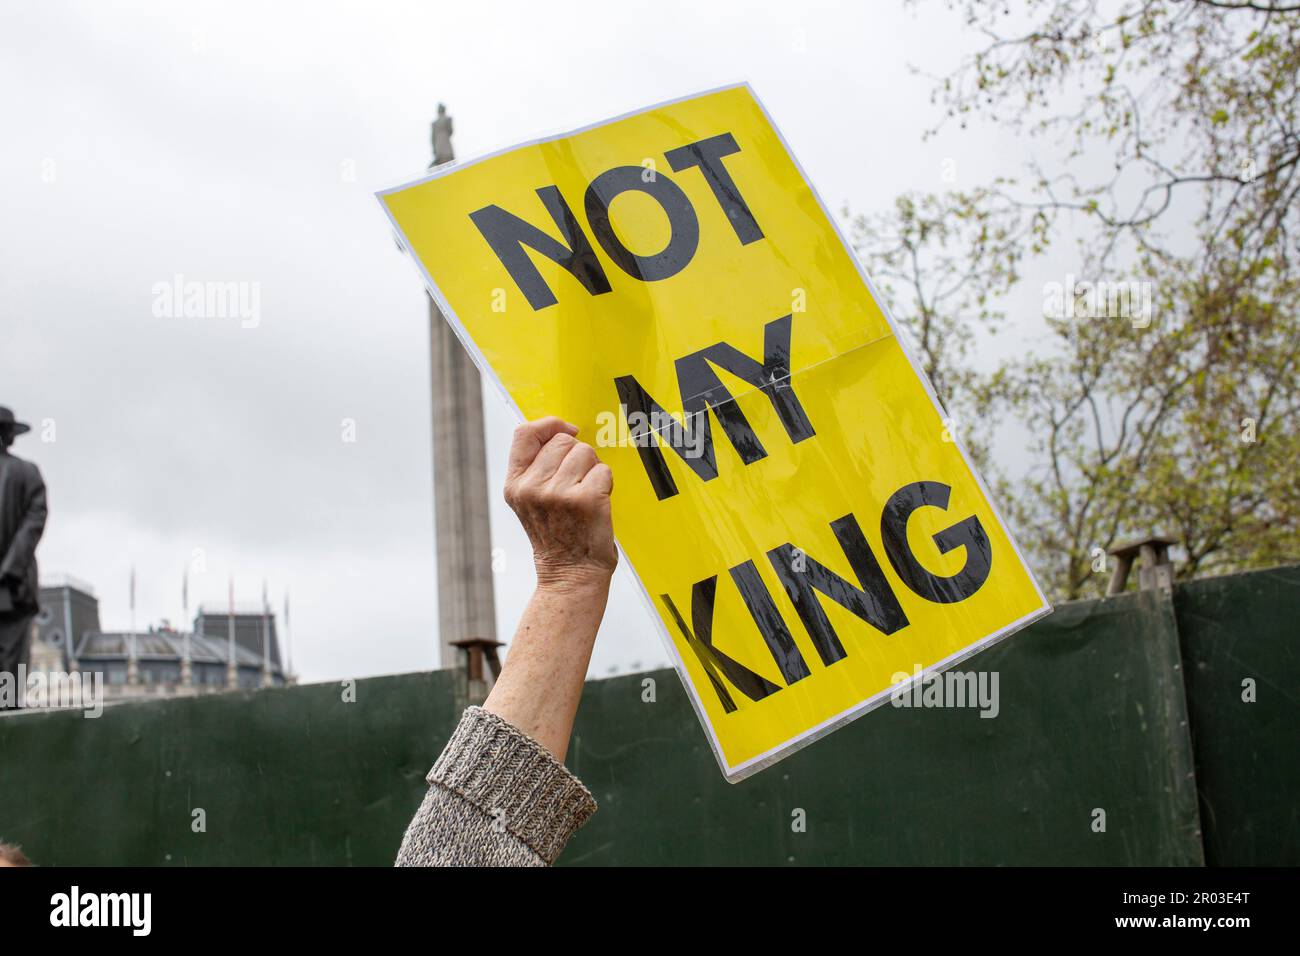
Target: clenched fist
(560,491)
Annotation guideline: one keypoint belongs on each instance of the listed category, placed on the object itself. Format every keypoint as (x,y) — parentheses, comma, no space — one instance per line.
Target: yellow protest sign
(807,531)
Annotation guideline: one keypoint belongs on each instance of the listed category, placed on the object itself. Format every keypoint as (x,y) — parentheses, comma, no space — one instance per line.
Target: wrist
(573,579)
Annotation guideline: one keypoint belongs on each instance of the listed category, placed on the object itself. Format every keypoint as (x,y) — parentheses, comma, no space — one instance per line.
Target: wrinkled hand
(560,491)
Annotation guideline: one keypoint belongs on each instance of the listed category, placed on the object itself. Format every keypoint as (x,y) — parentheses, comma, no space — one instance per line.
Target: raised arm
(500,795)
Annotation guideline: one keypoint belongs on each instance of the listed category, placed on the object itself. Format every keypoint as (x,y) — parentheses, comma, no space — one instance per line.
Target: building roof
(165,646)
(69,620)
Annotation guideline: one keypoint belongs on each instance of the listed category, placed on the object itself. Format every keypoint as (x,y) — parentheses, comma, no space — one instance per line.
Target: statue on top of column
(442,152)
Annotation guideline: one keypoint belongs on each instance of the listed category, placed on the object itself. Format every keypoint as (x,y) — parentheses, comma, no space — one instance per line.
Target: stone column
(460,495)
(460,492)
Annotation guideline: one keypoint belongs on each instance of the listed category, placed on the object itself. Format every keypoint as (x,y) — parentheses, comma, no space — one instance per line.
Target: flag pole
(232,670)
(187,670)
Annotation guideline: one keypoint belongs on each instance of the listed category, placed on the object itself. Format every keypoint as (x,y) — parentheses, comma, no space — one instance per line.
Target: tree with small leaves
(1170,146)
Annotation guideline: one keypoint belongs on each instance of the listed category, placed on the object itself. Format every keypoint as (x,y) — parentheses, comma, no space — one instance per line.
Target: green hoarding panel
(293,776)
(1092,718)
(1239,629)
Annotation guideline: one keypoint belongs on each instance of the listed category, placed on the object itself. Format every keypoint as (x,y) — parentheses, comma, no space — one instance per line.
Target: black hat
(8,423)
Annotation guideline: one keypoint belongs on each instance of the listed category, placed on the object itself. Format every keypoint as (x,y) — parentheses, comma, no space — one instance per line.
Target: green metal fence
(1093,726)
(1235,630)
(286,776)
(1091,718)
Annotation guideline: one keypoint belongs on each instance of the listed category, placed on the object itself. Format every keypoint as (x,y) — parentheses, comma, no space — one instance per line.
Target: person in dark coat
(22,521)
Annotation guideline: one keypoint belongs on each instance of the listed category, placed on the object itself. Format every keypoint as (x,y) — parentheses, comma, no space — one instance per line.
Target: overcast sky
(243,141)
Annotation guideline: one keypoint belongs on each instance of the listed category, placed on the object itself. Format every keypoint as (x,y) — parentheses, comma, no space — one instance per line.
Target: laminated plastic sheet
(808,533)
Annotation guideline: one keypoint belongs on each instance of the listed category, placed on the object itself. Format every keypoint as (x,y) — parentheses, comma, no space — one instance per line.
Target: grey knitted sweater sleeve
(496,798)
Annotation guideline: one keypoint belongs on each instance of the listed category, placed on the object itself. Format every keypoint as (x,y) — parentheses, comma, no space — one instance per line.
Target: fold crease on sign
(803,523)
(678,410)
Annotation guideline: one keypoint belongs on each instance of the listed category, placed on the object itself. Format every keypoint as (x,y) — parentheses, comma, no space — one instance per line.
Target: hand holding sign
(561,493)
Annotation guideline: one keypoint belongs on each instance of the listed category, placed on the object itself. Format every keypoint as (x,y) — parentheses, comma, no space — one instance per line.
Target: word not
(509,235)
(102,909)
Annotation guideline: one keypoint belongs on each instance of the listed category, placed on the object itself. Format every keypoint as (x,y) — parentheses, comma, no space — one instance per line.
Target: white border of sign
(754,764)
